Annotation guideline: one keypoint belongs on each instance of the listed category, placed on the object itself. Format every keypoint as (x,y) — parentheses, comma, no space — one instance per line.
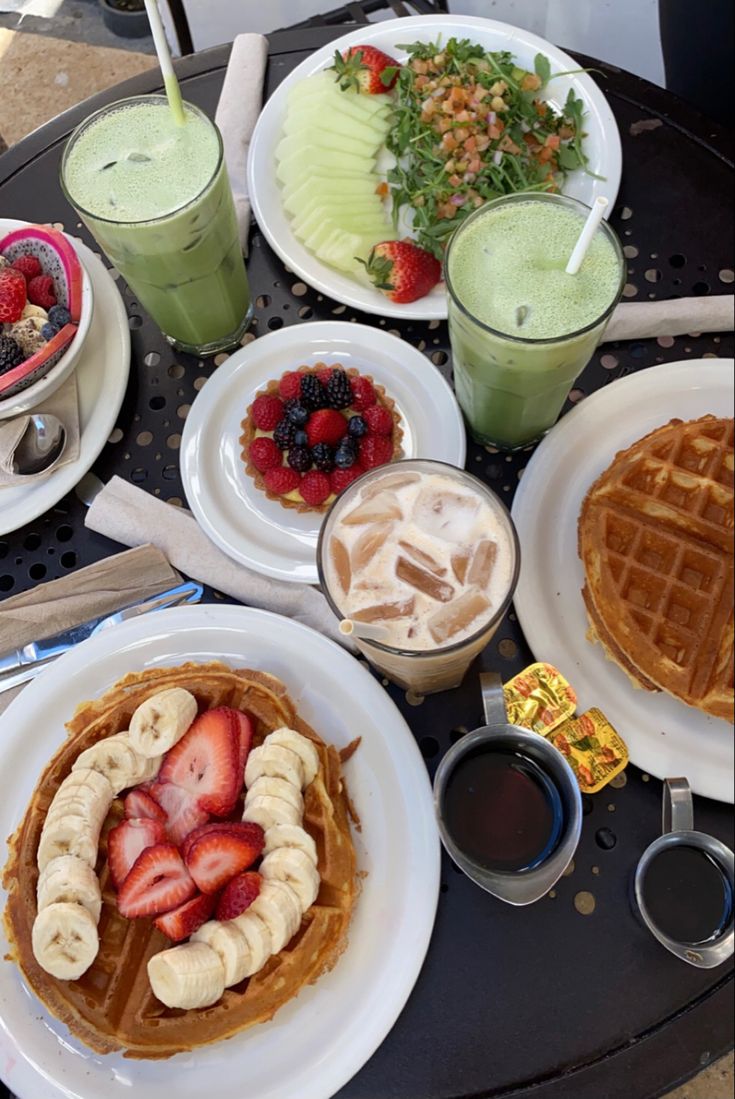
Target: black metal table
(544,1001)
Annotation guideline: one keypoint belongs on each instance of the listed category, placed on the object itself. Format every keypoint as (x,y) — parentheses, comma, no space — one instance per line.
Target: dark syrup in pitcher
(687,895)
(502,809)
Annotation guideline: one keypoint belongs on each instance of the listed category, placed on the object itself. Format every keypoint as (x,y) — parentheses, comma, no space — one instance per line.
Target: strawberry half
(181,922)
(246,728)
(365,69)
(326,426)
(204,763)
(215,858)
(139,805)
(244,829)
(238,895)
(157,882)
(402,270)
(126,841)
(13,295)
(183,813)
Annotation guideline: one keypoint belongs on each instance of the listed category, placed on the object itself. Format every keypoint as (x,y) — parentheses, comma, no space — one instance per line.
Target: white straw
(364,630)
(171,84)
(589,229)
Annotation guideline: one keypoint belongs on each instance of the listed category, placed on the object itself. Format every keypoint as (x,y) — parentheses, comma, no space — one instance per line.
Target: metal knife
(23,664)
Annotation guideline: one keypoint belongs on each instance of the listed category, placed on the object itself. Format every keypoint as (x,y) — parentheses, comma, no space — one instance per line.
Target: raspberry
(41,291)
(267,412)
(12,295)
(281,480)
(299,458)
(363,394)
(290,386)
(379,420)
(325,374)
(325,426)
(313,395)
(341,478)
(29,266)
(375,450)
(315,488)
(264,454)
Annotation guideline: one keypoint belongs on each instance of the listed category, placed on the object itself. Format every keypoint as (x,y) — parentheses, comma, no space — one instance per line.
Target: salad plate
(601,144)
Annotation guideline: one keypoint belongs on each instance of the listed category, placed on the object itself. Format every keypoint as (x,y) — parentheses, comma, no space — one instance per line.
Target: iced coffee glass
(427,557)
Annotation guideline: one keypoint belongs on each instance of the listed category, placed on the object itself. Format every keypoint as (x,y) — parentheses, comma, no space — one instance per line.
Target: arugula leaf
(542,67)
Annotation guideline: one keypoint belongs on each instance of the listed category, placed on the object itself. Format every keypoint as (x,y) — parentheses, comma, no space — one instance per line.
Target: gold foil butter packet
(539,698)
(592,748)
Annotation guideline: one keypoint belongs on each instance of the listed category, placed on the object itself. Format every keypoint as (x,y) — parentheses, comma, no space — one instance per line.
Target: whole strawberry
(402,270)
(365,69)
(12,295)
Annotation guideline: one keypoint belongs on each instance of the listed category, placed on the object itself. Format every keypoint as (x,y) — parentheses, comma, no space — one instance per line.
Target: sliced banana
(230,945)
(161,721)
(30,310)
(147,766)
(304,749)
(270,787)
(256,934)
(280,910)
(65,940)
(267,811)
(69,880)
(75,818)
(67,836)
(115,758)
(276,761)
(290,835)
(187,976)
(292,866)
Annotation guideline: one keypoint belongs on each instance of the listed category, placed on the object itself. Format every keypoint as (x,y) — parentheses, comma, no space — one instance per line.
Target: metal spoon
(41,443)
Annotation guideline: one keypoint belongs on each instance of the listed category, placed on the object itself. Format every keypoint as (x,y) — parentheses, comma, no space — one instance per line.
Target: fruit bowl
(33,380)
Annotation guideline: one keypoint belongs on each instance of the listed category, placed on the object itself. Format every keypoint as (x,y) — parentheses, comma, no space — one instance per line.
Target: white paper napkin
(237,112)
(129,515)
(678,317)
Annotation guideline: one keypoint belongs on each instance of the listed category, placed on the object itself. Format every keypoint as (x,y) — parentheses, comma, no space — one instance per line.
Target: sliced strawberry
(205,761)
(183,921)
(139,804)
(183,813)
(157,882)
(243,829)
(126,841)
(217,857)
(237,895)
(246,728)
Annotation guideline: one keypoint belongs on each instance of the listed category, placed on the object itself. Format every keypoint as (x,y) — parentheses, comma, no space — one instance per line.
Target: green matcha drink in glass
(521,328)
(154,192)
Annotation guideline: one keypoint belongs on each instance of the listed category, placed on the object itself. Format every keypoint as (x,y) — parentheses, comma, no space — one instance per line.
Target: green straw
(170,83)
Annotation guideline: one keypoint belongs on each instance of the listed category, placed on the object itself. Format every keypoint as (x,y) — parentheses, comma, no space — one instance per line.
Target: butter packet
(539,698)
(592,748)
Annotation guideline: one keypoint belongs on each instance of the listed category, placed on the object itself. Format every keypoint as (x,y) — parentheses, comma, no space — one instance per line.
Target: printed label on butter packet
(592,748)
(539,698)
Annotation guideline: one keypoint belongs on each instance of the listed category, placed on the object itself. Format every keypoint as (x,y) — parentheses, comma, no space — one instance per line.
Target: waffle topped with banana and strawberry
(185,865)
(310,433)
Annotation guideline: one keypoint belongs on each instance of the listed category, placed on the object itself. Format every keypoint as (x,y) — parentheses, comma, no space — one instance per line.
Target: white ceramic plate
(238,517)
(664,736)
(320,1039)
(102,377)
(602,144)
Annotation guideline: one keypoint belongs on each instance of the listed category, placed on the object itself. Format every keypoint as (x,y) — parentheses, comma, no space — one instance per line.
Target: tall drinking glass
(156,197)
(521,329)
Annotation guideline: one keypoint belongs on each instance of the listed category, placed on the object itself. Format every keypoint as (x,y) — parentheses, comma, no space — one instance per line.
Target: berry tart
(311,433)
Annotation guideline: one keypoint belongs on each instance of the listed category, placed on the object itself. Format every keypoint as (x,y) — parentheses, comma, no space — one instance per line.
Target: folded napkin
(65,406)
(129,515)
(92,592)
(677,317)
(237,113)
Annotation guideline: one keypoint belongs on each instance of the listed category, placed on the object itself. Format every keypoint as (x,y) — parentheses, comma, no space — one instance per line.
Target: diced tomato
(553,141)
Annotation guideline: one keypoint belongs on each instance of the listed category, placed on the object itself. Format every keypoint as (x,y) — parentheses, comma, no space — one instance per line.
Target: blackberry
(356,427)
(345,457)
(339,390)
(299,458)
(296,412)
(300,438)
(11,354)
(313,395)
(323,456)
(283,436)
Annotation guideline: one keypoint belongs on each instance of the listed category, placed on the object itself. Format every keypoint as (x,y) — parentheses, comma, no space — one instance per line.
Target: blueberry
(344,458)
(297,414)
(301,438)
(58,316)
(48,331)
(356,427)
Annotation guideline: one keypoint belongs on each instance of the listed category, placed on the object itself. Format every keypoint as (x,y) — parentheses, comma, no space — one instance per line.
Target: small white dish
(664,736)
(320,1039)
(602,144)
(238,517)
(39,391)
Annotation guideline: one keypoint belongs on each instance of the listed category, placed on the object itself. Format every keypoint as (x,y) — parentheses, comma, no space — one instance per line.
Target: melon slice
(327,116)
(58,259)
(310,138)
(302,203)
(316,84)
(292,167)
(331,186)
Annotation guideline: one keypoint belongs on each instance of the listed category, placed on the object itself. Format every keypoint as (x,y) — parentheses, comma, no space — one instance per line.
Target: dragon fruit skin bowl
(32,381)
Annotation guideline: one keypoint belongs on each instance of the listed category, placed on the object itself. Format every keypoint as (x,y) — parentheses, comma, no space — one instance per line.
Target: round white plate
(238,517)
(664,736)
(102,377)
(321,1038)
(602,145)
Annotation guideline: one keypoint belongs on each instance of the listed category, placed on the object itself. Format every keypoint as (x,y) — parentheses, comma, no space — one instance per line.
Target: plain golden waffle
(656,541)
(111,1007)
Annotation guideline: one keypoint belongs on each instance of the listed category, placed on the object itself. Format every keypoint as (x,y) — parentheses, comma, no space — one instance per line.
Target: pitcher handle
(493,699)
(678,814)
